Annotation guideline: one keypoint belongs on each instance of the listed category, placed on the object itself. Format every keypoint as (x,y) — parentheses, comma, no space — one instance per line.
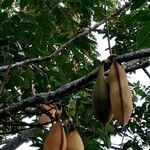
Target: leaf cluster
(33,29)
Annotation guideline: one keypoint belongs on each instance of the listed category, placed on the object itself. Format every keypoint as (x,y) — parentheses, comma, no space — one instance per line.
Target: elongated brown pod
(56,138)
(74,141)
(120,94)
(100,98)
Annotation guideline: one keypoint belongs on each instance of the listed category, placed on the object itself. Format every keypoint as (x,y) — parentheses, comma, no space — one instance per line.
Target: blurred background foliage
(36,28)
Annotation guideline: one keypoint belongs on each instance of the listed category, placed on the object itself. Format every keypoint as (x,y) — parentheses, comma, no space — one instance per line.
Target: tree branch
(134,55)
(24,124)
(138,66)
(22,137)
(5,79)
(63,46)
(72,86)
(19,140)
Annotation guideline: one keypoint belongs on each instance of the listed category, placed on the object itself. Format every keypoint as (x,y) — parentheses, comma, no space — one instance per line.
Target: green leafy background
(30,28)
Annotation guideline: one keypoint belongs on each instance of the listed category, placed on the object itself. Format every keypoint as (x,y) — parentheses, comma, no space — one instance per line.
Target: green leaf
(137,3)
(37,132)
(7,3)
(143,15)
(23,3)
(143,37)
(3,16)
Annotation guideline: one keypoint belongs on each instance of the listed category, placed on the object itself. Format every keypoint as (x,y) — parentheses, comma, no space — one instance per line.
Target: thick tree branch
(19,140)
(5,79)
(72,86)
(63,46)
(138,66)
(134,55)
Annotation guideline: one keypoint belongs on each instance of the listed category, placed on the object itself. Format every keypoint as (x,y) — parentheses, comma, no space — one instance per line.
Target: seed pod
(120,94)
(56,138)
(100,99)
(74,141)
(44,118)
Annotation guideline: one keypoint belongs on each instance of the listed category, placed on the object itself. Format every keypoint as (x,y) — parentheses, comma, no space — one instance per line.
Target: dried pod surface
(44,118)
(120,94)
(56,138)
(100,99)
(74,141)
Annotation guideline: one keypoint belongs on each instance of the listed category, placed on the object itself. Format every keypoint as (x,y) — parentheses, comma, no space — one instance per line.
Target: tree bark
(18,140)
(72,86)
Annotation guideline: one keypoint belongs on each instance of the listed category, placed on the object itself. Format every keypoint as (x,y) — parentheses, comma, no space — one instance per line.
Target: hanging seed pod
(100,98)
(51,110)
(56,138)
(120,94)
(74,141)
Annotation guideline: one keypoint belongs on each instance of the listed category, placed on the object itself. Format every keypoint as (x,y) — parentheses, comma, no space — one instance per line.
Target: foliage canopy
(36,29)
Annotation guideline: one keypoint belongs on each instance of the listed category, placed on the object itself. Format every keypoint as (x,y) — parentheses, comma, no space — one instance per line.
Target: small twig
(108,37)
(30,125)
(5,79)
(15,131)
(31,112)
(107,31)
(116,148)
(18,123)
(66,113)
(76,111)
(123,135)
(47,112)
(129,136)
(40,70)
(146,72)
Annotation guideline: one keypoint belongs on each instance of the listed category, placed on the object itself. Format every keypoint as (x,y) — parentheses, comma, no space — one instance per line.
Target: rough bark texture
(18,140)
(70,87)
